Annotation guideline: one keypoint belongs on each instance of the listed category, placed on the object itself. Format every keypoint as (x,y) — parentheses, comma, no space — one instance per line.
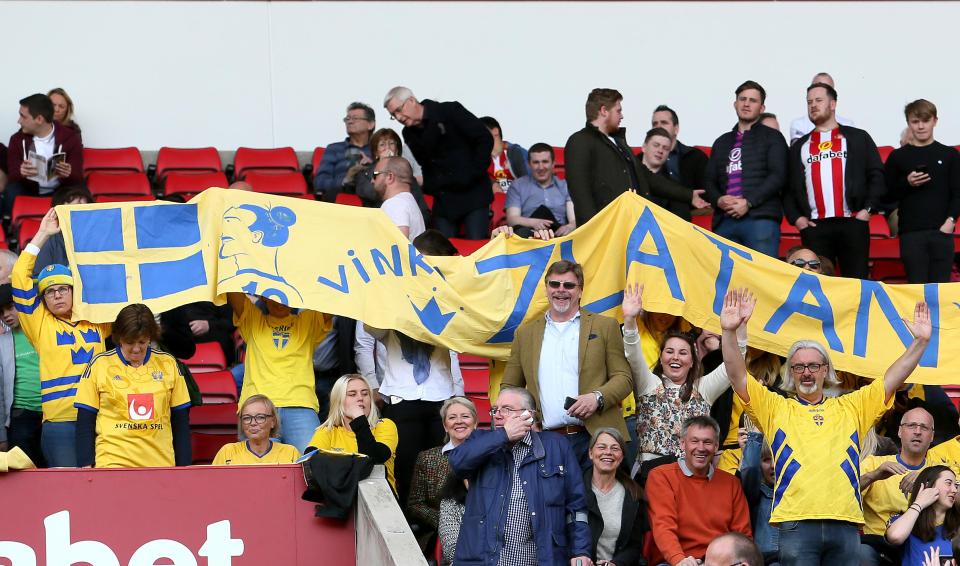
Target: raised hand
(632,300)
(737,308)
(927,496)
(50,224)
(920,327)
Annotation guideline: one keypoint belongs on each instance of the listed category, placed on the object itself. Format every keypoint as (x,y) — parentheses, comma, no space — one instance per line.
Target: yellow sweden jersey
(342,439)
(946,453)
(816,450)
(883,498)
(279,361)
(64,347)
(133,408)
(239,454)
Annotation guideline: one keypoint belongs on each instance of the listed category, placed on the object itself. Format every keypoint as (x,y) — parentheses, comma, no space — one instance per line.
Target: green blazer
(603,366)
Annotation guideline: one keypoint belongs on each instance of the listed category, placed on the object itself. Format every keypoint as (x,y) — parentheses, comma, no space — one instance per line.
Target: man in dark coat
(453,148)
(600,164)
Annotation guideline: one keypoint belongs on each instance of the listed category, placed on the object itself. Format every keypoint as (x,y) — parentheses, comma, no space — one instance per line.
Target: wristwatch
(599,400)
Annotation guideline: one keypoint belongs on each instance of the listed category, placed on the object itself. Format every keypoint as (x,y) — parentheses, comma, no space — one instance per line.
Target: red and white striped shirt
(824,161)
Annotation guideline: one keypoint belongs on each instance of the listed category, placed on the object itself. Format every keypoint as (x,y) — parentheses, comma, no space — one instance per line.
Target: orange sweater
(686,513)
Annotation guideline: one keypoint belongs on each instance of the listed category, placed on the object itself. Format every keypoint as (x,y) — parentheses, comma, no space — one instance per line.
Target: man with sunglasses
(816,439)
(344,159)
(572,361)
(806,259)
(453,147)
(526,502)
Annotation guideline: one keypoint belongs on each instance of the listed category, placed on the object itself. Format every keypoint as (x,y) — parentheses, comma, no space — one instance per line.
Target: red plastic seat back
(117,160)
(201,159)
(316,159)
(189,184)
(26,206)
(249,159)
(118,183)
(283,183)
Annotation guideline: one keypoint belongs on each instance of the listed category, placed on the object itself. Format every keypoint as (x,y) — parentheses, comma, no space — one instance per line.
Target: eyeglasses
(813,263)
(62,290)
(798,369)
(258,418)
(916,426)
(349,119)
(375,173)
(506,412)
(554,284)
(398,110)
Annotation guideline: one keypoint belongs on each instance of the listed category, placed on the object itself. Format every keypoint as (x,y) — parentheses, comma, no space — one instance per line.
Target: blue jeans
(631,454)
(476,224)
(760,234)
(59,444)
(297,425)
(812,542)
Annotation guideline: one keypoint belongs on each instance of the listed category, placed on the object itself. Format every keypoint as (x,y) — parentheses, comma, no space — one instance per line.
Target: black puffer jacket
(764,161)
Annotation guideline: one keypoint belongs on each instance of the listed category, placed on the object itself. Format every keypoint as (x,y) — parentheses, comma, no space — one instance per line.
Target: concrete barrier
(383,536)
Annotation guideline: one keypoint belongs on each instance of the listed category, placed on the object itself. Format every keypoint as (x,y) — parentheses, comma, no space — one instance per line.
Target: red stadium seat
(315,161)
(476,380)
(885,248)
(28,229)
(482,403)
(705,149)
(126,184)
(26,206)
(348,199)
(221,417)
(704,221)
(429,200)
(885,151)
(787,229)
(249,159)
(291,184)
(126,198)
(787,242)
(953,391)
(208,357)
(216,386)
(498,207)
(116,160)
(879,228)
(205,445)
(559,163)
(189,184)
(472,361)
(197,160)
(467,247)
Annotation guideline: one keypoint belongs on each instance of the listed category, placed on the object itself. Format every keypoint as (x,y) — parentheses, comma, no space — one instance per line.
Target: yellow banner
(353,261)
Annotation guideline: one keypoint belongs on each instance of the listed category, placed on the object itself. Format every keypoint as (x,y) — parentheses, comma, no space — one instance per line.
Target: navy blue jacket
(552,483)
(334,165)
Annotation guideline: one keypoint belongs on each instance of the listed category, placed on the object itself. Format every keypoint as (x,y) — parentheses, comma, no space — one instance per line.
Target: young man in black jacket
(836,182)
(923,181)
(745,176)
(656,152)
(600,165)
(453,148)
(685,165)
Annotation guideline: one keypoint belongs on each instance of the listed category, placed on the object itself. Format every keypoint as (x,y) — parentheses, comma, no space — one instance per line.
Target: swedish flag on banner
(138,252)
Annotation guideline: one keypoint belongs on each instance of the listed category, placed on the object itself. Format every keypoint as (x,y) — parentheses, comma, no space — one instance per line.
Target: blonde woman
(354,425)
(259,422)
(63,108)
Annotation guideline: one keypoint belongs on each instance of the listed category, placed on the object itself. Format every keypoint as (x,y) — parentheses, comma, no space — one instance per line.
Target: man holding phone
(923,181)
(572,361)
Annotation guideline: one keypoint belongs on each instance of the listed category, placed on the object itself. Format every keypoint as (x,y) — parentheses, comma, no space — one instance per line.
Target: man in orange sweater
(691,502)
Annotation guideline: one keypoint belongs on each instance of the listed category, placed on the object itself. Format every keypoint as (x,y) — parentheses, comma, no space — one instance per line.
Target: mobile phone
(946,560)
(922,169)
(568,402)
(526,415)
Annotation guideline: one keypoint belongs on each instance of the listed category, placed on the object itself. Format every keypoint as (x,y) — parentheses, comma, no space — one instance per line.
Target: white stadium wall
(269,74)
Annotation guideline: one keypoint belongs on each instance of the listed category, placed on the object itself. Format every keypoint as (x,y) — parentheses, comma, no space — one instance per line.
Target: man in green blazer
(572,362)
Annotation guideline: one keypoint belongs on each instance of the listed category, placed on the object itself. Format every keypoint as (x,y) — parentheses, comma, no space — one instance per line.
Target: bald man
(732,549)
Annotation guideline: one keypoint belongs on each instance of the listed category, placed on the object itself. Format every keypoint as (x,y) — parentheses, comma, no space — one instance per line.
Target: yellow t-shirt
(239,454)
(946,453)
(816,450)
(883,499)
(133,406)
(279,361)
(342,439)
(65,348)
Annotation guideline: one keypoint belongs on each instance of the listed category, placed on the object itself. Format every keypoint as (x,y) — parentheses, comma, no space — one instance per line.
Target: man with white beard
(572,362)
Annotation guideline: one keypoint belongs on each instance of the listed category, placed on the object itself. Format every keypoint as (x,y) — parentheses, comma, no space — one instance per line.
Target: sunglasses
(554,284)
(814,263)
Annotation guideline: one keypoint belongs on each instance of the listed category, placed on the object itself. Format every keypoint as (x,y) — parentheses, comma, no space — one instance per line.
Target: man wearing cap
(64,347)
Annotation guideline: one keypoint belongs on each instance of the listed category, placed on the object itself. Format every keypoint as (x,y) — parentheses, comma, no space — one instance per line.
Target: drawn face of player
(235,232)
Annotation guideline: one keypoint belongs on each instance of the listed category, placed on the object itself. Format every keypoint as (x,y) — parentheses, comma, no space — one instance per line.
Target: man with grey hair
(691,501)
(816,439)
(453,148)
(343,160)
(803,125)
(733,549)
(526,501)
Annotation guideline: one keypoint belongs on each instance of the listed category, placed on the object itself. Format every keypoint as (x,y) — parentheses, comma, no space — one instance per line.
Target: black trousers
(844,241)
(927,255)
(24,431)
(418,427)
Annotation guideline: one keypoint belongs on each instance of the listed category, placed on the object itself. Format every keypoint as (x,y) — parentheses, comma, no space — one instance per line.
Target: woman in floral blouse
(675,390)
